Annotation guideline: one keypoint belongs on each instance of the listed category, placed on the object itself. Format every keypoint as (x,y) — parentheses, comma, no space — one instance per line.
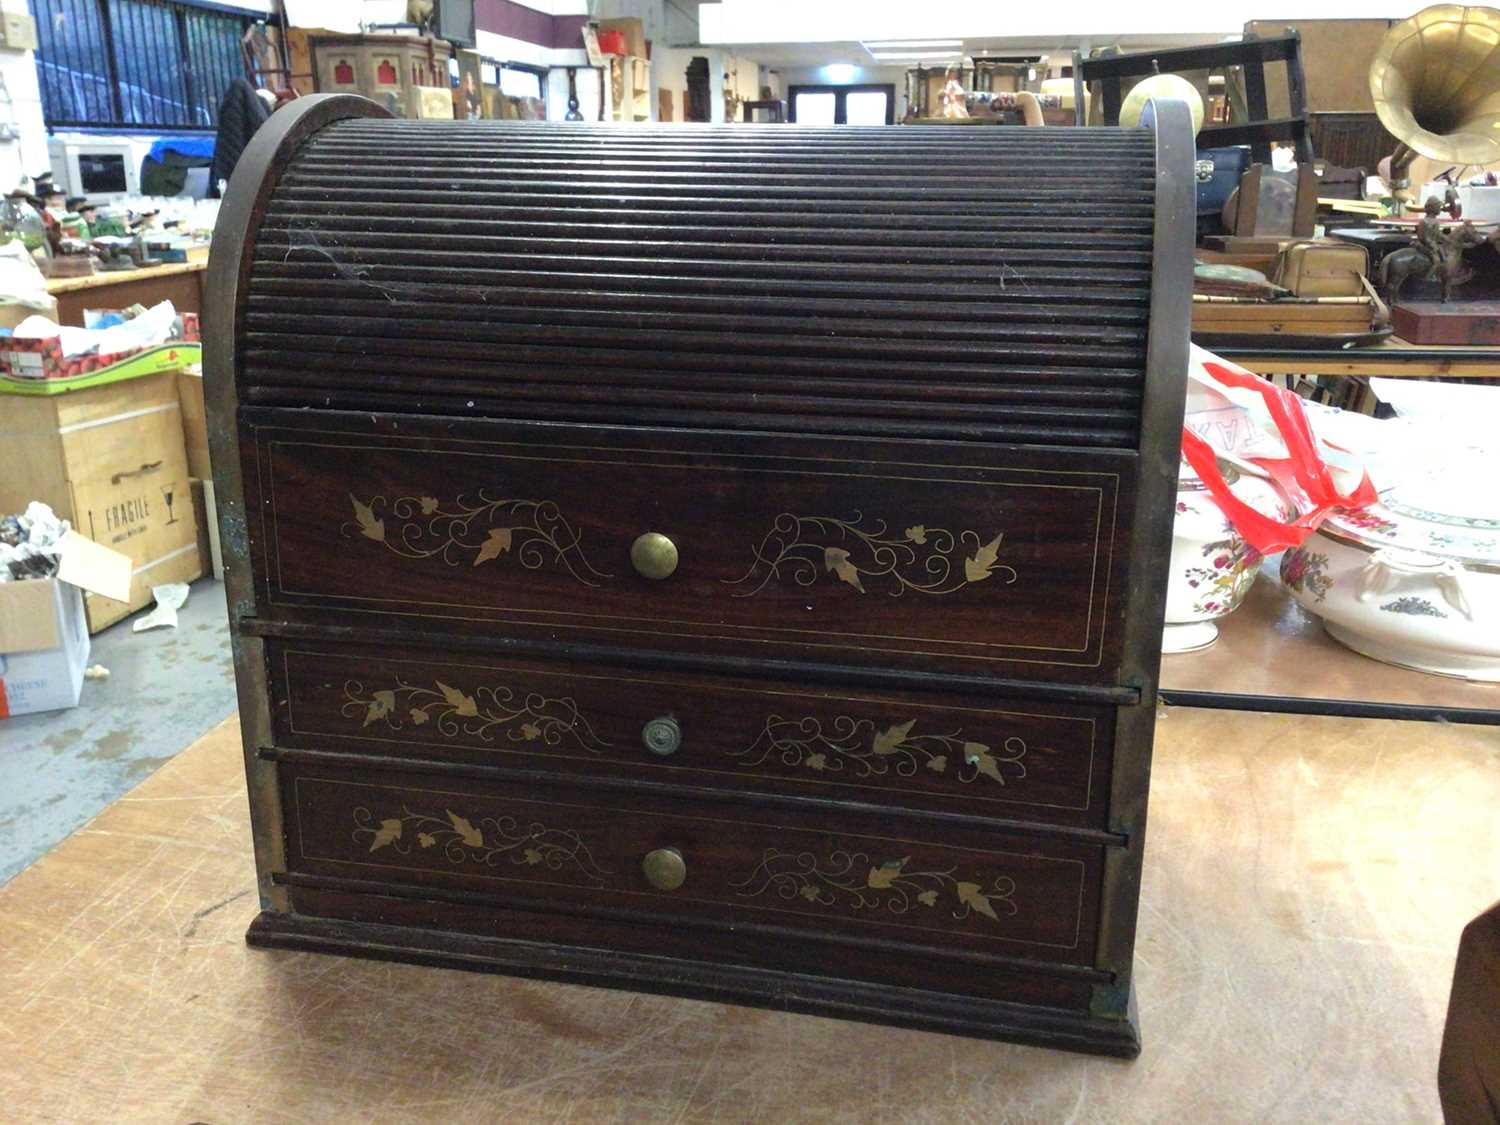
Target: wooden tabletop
(58,285)
(1305,886)
(1273,654)
(1393,356)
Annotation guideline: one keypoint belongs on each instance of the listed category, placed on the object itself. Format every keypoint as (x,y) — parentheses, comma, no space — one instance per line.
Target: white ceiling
(763,28)
(788,55)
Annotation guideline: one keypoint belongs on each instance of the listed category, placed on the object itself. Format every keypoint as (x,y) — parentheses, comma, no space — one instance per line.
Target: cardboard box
(44,646)
(38,366)
(194,421)
(634,32)
(1336,58)
(17,30)
(434,103)
(299,55)
(44,641)
(12,312)
(206,509)
(112,461)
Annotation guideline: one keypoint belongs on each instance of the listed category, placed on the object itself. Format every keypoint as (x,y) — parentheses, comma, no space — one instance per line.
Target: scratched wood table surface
(1305,885)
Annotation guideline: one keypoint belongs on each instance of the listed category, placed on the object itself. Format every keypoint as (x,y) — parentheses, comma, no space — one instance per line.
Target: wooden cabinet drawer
(1017,759)
(539,848)
(833,549)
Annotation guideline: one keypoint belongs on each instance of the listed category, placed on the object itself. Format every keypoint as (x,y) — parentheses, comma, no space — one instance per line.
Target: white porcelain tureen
(1415,579)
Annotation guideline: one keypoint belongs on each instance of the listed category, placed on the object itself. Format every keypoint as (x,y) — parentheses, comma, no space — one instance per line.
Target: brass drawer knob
(653,555)
(665,869)
(662,736)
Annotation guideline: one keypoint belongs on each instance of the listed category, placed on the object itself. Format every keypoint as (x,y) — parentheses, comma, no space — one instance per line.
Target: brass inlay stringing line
(687,681)
(789,472)
(499,615)
(398,439)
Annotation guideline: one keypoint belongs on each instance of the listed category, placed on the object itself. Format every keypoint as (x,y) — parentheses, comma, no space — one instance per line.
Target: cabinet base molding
(762,988)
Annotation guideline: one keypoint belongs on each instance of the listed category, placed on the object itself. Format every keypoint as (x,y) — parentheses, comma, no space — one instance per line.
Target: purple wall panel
(567,32)
(506,17)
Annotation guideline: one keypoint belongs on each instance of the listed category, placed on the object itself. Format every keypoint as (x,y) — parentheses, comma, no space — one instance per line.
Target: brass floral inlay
(852,881)
(922,559)
(486,713)
(872,752)
(489,841)
(474,531)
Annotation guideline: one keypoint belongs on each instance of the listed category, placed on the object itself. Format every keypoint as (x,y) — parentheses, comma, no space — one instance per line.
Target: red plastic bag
(1303,475)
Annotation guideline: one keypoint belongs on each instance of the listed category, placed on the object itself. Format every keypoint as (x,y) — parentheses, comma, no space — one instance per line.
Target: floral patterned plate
(1449,513)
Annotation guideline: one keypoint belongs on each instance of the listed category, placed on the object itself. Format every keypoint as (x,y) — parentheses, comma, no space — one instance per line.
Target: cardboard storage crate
(44,646)
(207,511)
(12,313)
(111,460)
(194,421)
(38,366)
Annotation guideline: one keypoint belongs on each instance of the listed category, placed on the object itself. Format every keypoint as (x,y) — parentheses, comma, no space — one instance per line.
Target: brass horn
(1436,85)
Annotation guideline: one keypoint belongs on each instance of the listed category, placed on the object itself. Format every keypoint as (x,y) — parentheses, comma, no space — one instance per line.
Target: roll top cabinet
(718,561)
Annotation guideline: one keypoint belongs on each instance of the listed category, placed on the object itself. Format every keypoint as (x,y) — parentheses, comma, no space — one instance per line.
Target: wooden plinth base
(761,988)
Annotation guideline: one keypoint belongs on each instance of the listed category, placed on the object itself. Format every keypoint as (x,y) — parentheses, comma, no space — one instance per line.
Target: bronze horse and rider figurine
(1436,254)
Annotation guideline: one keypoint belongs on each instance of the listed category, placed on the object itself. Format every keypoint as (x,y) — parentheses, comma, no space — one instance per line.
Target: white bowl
(1213,567)
(1413,580)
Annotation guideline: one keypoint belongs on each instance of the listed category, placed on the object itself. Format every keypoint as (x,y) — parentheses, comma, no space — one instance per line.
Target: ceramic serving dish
(1413,580)
(1213,567)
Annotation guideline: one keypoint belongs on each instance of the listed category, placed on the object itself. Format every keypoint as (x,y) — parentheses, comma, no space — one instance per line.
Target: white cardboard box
(1480,204)
(44,646)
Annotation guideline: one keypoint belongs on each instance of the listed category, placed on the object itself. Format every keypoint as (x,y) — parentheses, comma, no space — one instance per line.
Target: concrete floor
(60,769)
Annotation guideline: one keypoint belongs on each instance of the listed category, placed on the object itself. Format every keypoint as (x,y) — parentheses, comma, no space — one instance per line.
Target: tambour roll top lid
(986,284)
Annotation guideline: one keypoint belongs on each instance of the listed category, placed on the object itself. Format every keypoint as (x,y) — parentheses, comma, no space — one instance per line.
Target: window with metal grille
(134,64)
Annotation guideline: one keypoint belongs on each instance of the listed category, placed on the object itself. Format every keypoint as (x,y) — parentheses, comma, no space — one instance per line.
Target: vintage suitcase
(1217,172)
(1322,269)
(719,561)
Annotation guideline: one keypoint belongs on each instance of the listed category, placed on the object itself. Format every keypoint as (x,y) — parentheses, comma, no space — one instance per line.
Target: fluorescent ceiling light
(881,44)
(888,56)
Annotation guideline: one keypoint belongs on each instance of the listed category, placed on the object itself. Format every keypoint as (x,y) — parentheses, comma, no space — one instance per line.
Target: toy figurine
(1429,234)
(955,101)
(1452,204)
(1435,254)
(74,225)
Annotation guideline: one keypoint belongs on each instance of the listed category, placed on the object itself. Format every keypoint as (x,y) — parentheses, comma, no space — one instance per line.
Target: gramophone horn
(1436,84)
